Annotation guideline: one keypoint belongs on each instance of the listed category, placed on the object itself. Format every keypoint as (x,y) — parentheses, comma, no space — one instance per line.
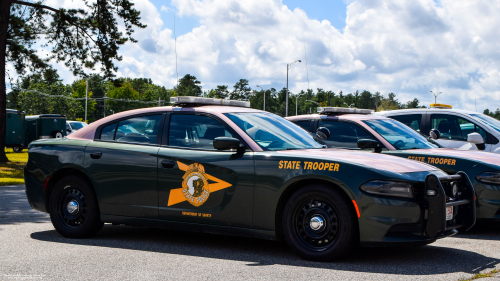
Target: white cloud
(400,46)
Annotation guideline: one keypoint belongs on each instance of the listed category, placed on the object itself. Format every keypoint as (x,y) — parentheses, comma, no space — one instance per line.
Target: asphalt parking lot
(30,249)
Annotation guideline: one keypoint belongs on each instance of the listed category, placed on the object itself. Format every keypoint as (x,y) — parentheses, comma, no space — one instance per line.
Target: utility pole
(264,95)
(86,97)
(104,105)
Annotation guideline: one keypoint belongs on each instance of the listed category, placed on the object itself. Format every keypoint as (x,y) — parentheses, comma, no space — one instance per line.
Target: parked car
(217,166)
(454,126)
(357,129)
(73,126)
(15,136)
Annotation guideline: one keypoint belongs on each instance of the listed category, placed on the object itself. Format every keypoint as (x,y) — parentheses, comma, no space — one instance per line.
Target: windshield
(272,132)
(492,122)
(77,125)
(399,135)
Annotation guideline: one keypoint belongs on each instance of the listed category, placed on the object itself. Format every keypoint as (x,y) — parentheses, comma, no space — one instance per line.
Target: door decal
(195,187)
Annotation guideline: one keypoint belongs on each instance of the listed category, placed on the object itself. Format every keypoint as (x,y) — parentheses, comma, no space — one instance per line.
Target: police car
(357,129)
(217,166)
(456,128)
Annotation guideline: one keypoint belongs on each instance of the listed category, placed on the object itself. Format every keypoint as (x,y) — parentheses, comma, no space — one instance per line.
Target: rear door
(198,183)
(122,162)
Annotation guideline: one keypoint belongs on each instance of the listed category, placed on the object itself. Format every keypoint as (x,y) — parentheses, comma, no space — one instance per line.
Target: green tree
(121,97)
(188,86)
(34,103)
(241,90)
(81,38)
(78,90)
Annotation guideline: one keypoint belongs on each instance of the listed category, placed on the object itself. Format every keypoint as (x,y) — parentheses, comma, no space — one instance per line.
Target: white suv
(456,127)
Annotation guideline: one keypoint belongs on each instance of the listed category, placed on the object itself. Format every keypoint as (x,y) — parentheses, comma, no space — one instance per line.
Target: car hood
(368,159)
(480,156)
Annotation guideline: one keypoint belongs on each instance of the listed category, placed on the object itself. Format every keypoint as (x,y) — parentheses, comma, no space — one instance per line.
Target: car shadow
(394,260)
(483,230)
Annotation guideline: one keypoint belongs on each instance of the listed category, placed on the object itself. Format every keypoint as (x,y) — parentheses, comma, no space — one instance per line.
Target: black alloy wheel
(73,208)
(319,224)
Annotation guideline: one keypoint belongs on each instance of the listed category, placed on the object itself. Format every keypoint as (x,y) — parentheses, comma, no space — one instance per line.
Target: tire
(58,135)
(338,234)
(84,219)
(17,149)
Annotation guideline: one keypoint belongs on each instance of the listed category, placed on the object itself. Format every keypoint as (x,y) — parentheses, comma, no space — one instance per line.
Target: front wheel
(319,224)
(73,208)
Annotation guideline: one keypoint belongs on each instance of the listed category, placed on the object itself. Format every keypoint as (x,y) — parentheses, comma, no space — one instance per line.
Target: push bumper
(391,221)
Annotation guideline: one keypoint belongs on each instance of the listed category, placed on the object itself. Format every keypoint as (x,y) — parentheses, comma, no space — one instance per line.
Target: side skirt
(184,226)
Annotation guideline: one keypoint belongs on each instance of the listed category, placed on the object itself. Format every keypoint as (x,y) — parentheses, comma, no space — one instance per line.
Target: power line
(96,99)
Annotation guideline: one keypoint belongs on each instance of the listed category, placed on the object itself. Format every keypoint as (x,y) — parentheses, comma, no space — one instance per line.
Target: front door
(454,130)
(123,165)
(199,184)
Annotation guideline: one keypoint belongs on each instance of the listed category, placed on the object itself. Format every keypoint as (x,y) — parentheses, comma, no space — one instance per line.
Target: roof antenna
(175,43)
(307,71)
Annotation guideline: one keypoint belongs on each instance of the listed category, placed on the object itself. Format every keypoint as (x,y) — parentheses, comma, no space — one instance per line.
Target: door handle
(167,164)
(95,155)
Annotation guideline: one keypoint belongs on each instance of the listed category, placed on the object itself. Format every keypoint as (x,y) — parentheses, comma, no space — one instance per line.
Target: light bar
(207,101)
(440,105)
(343,110)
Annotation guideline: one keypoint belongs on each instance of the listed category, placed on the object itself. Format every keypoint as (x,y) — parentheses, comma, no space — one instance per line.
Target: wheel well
(60,174)
(292,189)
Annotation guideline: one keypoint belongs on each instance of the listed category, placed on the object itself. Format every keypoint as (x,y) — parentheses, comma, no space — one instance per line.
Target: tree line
(108,96)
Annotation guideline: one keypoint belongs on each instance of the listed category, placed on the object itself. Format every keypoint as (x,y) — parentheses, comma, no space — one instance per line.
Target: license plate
(449,213)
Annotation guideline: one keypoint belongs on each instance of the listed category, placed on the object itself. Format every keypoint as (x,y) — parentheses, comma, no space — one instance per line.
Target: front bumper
(421,220)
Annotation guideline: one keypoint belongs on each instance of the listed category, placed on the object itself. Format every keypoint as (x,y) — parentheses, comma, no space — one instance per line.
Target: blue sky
(332,10)
(387,46)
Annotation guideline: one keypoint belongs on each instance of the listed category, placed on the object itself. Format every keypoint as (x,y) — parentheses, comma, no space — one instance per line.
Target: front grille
(419,191)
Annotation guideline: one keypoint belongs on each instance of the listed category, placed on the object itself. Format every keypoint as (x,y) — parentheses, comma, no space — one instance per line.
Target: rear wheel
(58,135)
(73,208)
(319,224)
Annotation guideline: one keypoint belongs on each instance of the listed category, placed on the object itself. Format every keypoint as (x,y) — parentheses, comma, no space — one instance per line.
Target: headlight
(489,177)
(388,188)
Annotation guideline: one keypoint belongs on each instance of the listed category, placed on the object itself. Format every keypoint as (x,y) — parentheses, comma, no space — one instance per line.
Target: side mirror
(476,139)
(323,133)
(367,143)
(226,143)
(434,134)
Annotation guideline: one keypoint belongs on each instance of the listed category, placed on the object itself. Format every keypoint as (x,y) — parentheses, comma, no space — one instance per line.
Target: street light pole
(312,102)
(435,95)
(297,104)
(287,68)
(264,96)
(86,97)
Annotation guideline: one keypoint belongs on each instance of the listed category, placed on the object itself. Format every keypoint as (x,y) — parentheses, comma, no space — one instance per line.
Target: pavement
(30,249)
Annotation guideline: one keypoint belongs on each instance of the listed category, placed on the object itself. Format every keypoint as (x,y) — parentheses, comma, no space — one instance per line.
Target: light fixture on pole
(435,95)
(312,102)
(287,68)
(264,96)
(297,103)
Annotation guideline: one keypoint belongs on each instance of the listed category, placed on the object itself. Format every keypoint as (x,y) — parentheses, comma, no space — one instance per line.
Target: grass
(484,275)
(12,172)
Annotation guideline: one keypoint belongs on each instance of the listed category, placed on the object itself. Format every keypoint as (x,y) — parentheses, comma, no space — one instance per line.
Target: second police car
(203,166)
(354,128)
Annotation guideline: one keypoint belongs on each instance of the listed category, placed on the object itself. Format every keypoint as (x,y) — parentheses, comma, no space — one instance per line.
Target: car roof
(418,110)
(88,132)
(339,117)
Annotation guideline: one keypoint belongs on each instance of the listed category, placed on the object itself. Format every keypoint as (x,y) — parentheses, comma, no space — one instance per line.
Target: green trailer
(45,126)
(15,136)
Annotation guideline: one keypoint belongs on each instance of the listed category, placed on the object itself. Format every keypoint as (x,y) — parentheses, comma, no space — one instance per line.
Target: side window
(195,131)
(412,120)
(108,132)
(455,128)
(142,129)
(305,124)
(344,134)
